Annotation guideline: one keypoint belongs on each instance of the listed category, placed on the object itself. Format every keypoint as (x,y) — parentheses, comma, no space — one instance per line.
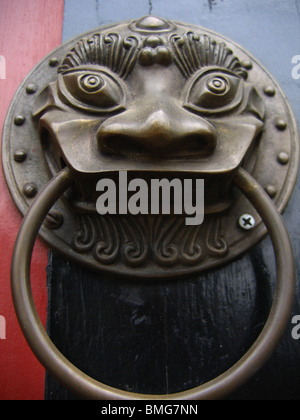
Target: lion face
(148,97)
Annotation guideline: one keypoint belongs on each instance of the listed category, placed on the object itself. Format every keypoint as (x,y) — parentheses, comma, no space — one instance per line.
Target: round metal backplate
(275,168)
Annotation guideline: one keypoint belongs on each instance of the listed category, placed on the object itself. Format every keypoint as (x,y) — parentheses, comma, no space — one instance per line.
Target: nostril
(161,137)
(189,146)
(121,145)
(195,145)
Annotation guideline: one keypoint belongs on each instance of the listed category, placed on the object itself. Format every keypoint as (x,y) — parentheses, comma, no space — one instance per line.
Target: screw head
(280,124)
(31,89)
(270,91)
(283,158)
(271,190)
(54,219)
(30,190)
(53,62)
(20,155)
(19,120)
(247,64)
(246,222)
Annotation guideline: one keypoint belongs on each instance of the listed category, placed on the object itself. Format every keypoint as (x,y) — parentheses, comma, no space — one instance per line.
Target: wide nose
(157,127)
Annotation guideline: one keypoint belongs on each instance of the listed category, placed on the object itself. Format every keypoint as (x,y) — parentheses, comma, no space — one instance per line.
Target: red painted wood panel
(29,29)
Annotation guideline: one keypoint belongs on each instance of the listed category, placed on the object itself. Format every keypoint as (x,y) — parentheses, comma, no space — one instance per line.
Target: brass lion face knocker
(154,99)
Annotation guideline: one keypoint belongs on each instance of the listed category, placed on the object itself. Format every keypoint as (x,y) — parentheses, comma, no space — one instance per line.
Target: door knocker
(152,98)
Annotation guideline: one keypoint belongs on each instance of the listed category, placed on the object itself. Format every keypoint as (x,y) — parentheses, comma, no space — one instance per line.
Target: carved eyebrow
(192,51)
(110,50)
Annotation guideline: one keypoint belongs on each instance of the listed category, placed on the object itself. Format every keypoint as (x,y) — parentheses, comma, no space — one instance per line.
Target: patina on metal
(151,97)
(154,98)
(88,388)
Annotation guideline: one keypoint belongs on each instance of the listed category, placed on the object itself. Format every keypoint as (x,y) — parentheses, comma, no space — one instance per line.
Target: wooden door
(165,336)
(29,31)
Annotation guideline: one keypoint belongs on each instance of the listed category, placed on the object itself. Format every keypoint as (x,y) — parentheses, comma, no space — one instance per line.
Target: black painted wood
(167,336)
(172,335)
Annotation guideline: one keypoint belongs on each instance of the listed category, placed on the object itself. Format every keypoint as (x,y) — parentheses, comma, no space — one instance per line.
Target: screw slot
(30,190)
(246,222)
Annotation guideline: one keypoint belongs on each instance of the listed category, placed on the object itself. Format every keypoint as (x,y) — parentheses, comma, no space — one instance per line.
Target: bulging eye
(218,85)
(215,91)
(92,90)
(91,83)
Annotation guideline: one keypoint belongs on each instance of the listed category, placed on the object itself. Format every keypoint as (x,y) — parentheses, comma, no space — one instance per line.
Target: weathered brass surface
(154,98)
(151,97)
(88,388)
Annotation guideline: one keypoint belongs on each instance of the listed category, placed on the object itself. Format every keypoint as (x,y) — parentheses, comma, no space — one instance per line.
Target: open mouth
(152,193)
(179,230)
(193,146)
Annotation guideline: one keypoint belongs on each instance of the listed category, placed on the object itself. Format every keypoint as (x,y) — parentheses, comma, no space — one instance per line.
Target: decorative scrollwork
(138,240)
(111,50)
(193,51)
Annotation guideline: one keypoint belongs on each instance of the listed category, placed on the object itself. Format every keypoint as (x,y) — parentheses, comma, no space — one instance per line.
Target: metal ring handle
(86,387)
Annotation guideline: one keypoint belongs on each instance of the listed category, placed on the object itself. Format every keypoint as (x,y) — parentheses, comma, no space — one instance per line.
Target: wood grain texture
(169,336)
(28,31)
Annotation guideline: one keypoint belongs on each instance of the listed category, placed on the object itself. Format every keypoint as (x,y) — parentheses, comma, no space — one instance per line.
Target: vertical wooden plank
(28,31)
